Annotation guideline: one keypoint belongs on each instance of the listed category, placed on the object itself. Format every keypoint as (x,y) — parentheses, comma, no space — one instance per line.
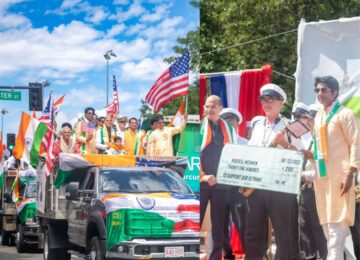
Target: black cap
(271,93)
(329,81)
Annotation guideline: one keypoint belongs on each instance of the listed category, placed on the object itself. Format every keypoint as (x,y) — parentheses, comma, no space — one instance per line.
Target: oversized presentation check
(260,168)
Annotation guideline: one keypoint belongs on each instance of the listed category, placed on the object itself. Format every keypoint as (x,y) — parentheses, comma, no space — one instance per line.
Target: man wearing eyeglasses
(85,132)
(160,141)
(280,207)
(337,159)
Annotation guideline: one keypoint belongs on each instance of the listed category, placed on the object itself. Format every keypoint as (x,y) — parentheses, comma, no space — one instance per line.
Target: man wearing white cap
(236,202)
(312,237)
(262,204)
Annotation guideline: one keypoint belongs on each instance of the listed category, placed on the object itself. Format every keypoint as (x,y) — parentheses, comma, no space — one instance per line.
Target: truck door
(77,213)
(88,193)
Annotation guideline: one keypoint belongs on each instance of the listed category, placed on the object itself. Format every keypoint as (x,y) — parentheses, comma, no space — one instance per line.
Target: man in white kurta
(338,145)
(160,141)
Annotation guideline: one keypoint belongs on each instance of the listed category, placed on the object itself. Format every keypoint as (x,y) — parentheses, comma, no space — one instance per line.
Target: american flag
(113,107)
(171,84)
(47,144)
(45,115)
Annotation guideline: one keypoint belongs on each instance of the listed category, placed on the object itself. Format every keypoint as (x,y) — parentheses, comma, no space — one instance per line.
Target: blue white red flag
(171,84)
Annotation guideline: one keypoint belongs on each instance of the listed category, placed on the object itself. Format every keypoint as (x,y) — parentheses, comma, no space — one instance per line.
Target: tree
(240,22)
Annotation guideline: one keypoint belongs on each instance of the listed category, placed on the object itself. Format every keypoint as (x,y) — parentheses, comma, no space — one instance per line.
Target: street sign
(10,95)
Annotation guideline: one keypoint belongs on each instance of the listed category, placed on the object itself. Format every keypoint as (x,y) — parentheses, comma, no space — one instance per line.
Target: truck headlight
(120,249)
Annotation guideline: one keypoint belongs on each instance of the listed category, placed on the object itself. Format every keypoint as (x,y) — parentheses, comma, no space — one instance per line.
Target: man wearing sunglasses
(280,207)
(337,157)
(85,132)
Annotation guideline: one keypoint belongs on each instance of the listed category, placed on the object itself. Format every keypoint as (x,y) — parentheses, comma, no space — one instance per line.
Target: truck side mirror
(71,192)
(7,197)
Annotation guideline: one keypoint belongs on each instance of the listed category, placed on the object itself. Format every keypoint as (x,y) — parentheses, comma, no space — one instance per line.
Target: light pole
(107,56)
(3,112)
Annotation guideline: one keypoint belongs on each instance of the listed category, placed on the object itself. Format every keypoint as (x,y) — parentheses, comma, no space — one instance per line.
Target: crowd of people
(310,225)
(116,135)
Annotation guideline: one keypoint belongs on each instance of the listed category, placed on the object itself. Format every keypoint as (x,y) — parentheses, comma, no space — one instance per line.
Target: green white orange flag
(179,116)
(30,135)
(26,209)
(152,215)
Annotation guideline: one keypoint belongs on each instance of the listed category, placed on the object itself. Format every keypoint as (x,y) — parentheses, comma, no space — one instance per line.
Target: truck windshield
(143,181)
(30,191)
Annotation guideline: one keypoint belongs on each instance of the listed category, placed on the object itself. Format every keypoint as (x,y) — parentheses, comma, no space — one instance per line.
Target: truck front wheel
(96,249)
(54,253)
(20,243)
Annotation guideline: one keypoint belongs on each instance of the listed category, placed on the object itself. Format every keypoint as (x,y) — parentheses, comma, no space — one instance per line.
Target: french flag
(239,90)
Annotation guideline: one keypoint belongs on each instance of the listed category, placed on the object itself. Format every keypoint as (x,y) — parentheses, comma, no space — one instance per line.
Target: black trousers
(237,208)
(355,232)
(217,197)
(282,210)
(312,237)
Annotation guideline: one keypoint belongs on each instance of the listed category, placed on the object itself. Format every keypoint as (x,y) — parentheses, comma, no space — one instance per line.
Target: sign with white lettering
(260,168)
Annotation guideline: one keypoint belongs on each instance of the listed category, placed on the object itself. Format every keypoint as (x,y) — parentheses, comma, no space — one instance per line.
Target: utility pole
(3,112)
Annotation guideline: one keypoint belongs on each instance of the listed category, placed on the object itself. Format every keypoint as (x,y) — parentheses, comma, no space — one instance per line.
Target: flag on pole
(46,114)
(113,108)
(179,116)
(30,135)
(47,145)
(171,84)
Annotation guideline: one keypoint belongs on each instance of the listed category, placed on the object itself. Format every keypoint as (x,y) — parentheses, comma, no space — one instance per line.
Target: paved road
(10,253)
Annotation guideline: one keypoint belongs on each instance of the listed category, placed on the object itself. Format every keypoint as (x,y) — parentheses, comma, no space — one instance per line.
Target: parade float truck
(24,194)
(7,208)
(117,207)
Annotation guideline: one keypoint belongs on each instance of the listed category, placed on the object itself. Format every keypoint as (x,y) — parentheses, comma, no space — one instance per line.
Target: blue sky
(63,41)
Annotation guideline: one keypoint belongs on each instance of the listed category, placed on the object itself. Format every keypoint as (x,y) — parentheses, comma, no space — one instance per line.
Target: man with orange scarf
(215,133)
(337,157)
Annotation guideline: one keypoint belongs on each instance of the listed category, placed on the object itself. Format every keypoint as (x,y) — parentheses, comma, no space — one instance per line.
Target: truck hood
(151,215)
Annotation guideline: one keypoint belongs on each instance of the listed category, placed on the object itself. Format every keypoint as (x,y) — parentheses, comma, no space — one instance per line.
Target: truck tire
(5,236)
(54,253)
(96,249)
(20,243)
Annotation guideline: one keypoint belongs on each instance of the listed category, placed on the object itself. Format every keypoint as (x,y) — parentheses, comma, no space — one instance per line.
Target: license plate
(174,251)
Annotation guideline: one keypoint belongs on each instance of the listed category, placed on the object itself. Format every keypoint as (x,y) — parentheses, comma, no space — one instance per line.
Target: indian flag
(30,135)
(157,215)
(179,116)
(72,166)
(15,190)
(26,209)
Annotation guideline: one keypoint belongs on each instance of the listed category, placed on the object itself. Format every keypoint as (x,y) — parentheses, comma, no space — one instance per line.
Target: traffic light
(35,97)
(10,141)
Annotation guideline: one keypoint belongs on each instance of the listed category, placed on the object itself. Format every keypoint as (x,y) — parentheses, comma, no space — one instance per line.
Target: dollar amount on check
(260,168)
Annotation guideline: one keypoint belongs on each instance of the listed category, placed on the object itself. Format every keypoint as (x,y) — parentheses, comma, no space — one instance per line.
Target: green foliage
(228,23)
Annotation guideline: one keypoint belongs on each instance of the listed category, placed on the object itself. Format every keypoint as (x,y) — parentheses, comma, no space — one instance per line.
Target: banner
(261,168)
(328,48)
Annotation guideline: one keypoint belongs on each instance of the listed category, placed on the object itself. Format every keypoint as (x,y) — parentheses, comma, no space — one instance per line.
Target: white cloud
(135,10)
(160,12)
(135,29)
(168,28)
(116,30)
(64,52)
(146,69)
(69,4)
(121,2)
(93,14)
(76,96)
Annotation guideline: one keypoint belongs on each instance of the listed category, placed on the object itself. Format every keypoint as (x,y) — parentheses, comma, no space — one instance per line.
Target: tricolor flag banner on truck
(26,209)
(157,215)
